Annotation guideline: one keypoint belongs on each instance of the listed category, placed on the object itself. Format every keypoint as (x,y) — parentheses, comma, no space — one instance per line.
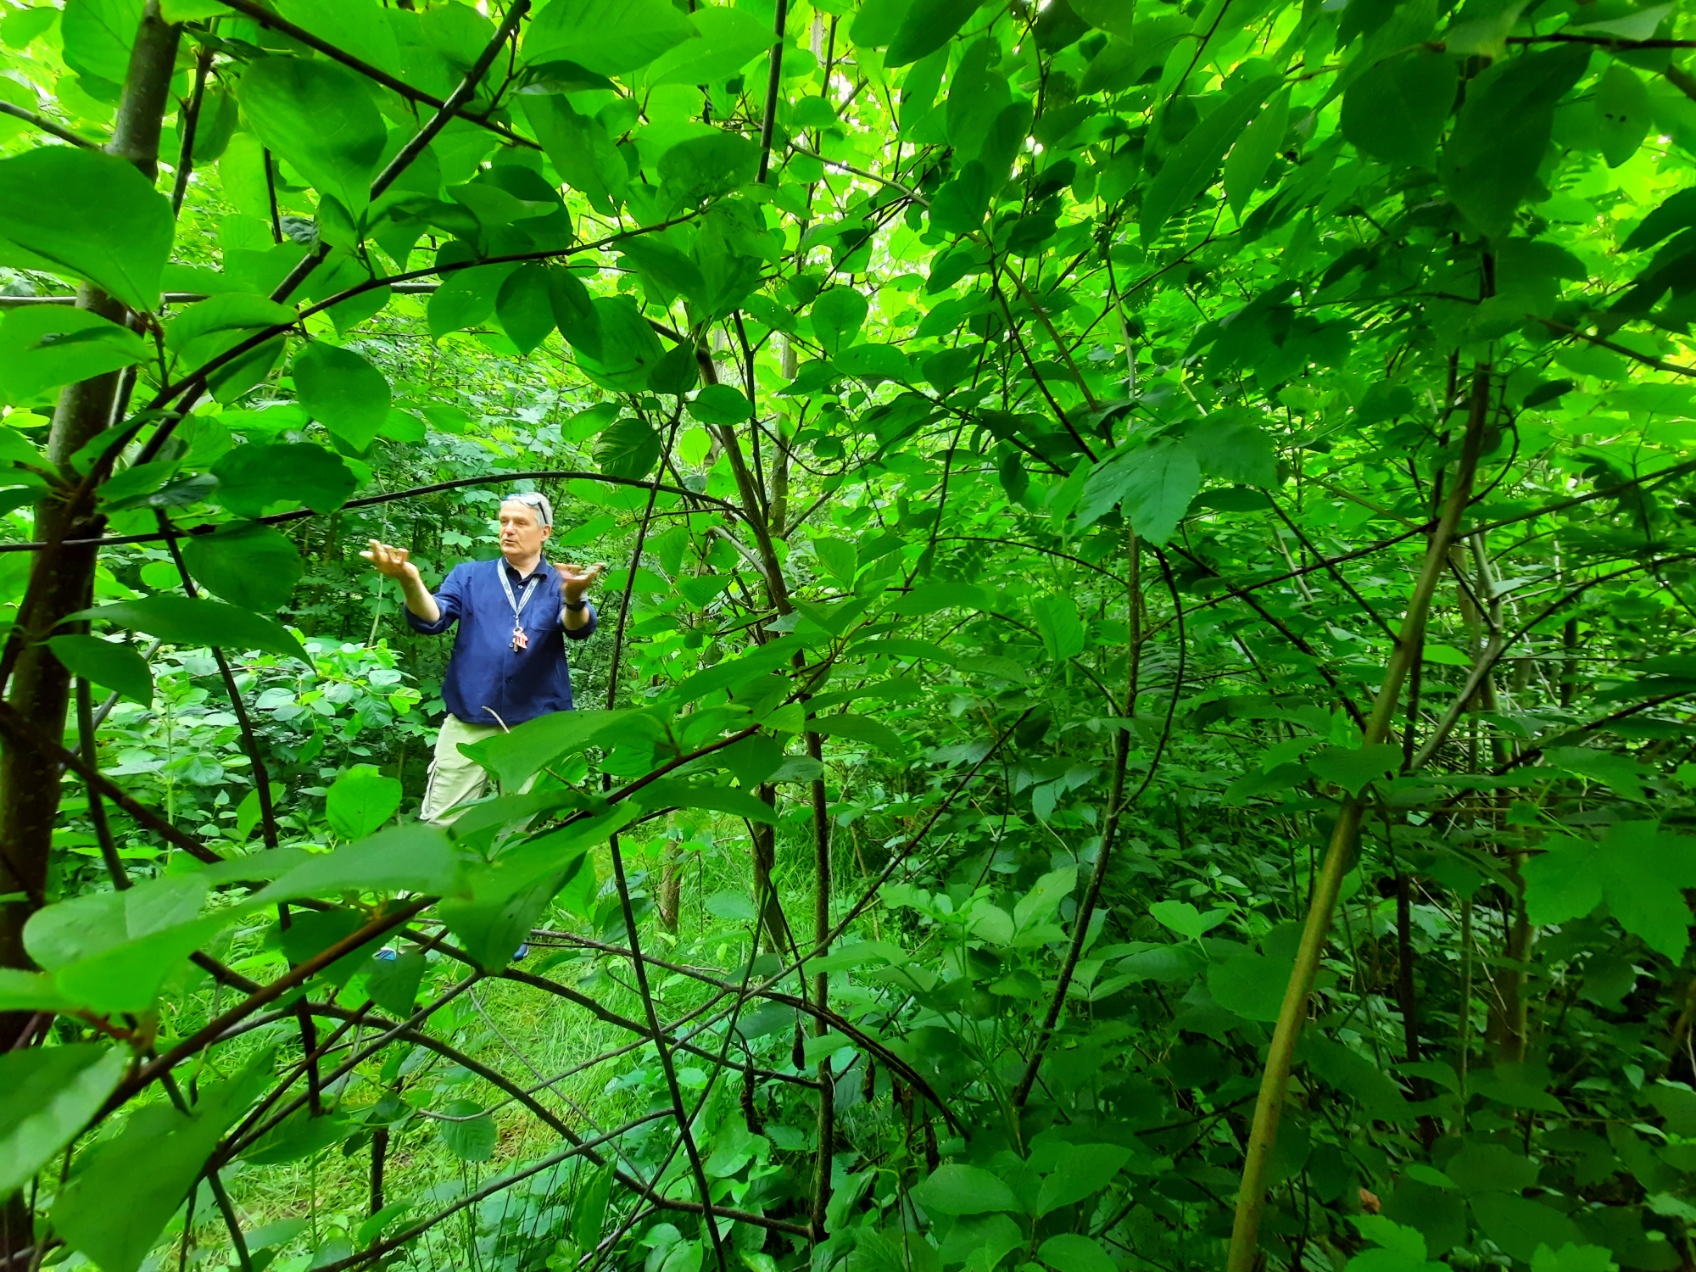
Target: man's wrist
(576,603)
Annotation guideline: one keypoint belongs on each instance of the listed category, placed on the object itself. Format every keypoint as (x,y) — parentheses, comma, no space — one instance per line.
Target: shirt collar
(538,572)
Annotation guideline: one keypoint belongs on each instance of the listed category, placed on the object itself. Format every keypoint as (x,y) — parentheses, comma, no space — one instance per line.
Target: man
(508,664)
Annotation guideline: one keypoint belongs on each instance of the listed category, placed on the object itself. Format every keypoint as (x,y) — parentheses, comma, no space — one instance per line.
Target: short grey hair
(536,502)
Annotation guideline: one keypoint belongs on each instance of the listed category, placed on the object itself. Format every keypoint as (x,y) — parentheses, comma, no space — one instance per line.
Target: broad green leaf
(261,477)
(466,298)
(580,148)
(608,37)
(468,1132)
(1235,450)
(704,167)
(859,728)
(1253,152)
(247,564)
(109,664)
(360,801)
(414,857)
(964,1190)
(179,620)
(342,391)
(393,982)
(523,306)
(720,404)
(98,36)
(1184,919)
(297,1137)
(1354,769)
(47,1096)
(1396,111)
(1499,139)
(320,119)
(630,448)
(728,40)
(45,346)
(204,330)
(129,977)
(89,215)
(926,27)
(1153,485)
(1623,113)
(629,349)
(671,792)
(837,317)
(30,991)
(1188,169)
(513,757)
(1251,985)
(1070,1252)
(1057,620)
(112,1210)
(1039,904)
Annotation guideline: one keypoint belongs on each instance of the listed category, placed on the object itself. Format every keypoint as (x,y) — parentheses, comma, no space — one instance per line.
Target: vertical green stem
(1269,1107)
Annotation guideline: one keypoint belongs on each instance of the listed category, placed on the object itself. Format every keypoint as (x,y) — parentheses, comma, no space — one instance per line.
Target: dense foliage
(1141,713)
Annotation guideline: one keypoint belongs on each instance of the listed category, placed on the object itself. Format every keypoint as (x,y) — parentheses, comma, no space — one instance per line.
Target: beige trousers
(454,780)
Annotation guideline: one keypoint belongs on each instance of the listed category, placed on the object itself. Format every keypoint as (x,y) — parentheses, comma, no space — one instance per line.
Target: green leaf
(106,663)
(705,167)
(47,1096)
(1520,1225)
(1499,139)
(524,308)
(393,982)
(30,991)
(466,298)
(608,37)
(414,857)
(204,330)
(1357,768)
(297,1137)
(721,404)
(927,26)
(512,758)
(1058,623)
(97,36)
(320,119)
(45,346)
(574,311)
(1251,985)
(965,1190)
(629,350)
(247,564)
(1083,1171)
(859,728)
(1184,919)
(676,792)
(1235,450)
(89,215)
(1153,484)
(360,801)
(630,448)
(113,1209)
(262,477)
(1623,113)
(470,1135)
(1252,155)
(728,40)
(201,624)
(837,316)
(580,148)
(1396,111)
(1188,169)
(342,391)
(959,206)
(1070,1252)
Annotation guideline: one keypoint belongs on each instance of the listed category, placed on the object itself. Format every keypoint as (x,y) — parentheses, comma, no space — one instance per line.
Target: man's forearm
(574,619)
(418,599)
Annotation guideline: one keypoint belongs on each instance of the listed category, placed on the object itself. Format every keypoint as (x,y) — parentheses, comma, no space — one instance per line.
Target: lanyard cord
(522,599)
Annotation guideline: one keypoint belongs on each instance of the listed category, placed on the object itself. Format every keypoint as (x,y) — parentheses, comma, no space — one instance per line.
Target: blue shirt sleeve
(450,599)
(585,631)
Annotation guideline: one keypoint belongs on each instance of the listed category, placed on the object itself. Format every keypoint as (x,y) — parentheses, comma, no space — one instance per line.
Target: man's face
(521,537)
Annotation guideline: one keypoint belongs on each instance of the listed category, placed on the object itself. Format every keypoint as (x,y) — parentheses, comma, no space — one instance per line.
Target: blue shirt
(485,670)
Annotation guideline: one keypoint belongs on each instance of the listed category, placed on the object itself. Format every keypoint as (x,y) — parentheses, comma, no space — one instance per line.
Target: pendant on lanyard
(520,641)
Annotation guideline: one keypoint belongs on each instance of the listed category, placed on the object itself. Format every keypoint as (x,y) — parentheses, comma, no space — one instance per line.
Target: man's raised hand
(575,580)
(390,562)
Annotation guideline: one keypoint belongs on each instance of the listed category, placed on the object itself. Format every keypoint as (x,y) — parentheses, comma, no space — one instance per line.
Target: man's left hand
(575,580)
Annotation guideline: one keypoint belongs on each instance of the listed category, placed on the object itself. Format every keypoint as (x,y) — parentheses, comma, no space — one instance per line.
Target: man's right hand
(391,562)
